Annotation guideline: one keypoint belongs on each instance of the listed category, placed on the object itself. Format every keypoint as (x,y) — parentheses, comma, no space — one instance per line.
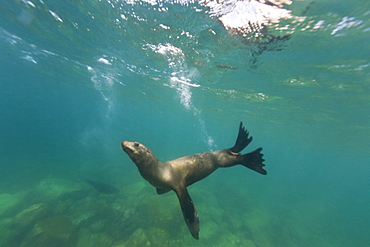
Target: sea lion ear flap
(189,212)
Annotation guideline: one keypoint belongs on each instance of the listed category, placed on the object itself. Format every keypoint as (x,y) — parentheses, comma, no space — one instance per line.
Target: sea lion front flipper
(242,140)
(189,211)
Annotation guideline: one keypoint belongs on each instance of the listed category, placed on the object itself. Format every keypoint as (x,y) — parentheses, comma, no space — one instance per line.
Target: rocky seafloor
(62,213)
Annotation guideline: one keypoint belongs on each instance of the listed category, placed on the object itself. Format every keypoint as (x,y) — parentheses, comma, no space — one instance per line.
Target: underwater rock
(135,193)
(230,239)
(8,235)
(249,243)
(209,229)
(124,221)
(120,245)
(161,211)
(103,187)
(257,222)
(138,238)
(31,215)
(84,218)
(83,237)
(157,236)
(135,188)
(9,203)
(88,239)
(101,239)
(83,212)
(23,222)
(101,215)
(257,219)
(60,189)
(54,231)
(98,225)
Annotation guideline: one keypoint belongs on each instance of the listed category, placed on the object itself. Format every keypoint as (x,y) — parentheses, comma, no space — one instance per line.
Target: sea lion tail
(242,140)
(189,211)
(254,161)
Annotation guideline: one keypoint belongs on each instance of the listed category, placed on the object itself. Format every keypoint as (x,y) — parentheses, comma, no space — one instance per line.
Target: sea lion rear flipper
(189,211)
(254,161)
(242,140)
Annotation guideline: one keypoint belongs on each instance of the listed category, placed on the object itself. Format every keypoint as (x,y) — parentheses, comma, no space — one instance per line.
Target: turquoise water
(78,77)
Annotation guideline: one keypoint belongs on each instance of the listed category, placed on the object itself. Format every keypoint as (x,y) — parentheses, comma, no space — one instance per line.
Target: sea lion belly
(198,166)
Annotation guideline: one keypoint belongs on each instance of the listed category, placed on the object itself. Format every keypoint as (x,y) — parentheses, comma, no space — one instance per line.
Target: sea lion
(177,174)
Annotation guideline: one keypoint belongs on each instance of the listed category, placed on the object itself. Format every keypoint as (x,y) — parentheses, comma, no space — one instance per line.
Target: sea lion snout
(131,148)
(123,145)
(126,146)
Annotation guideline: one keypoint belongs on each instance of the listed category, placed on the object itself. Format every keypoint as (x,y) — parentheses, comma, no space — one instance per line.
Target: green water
(78,77)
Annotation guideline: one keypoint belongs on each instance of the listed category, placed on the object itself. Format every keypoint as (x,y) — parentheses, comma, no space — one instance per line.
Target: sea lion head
(139,154)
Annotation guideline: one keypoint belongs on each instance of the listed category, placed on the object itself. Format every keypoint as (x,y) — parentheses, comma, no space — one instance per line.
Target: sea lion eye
(136,144)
